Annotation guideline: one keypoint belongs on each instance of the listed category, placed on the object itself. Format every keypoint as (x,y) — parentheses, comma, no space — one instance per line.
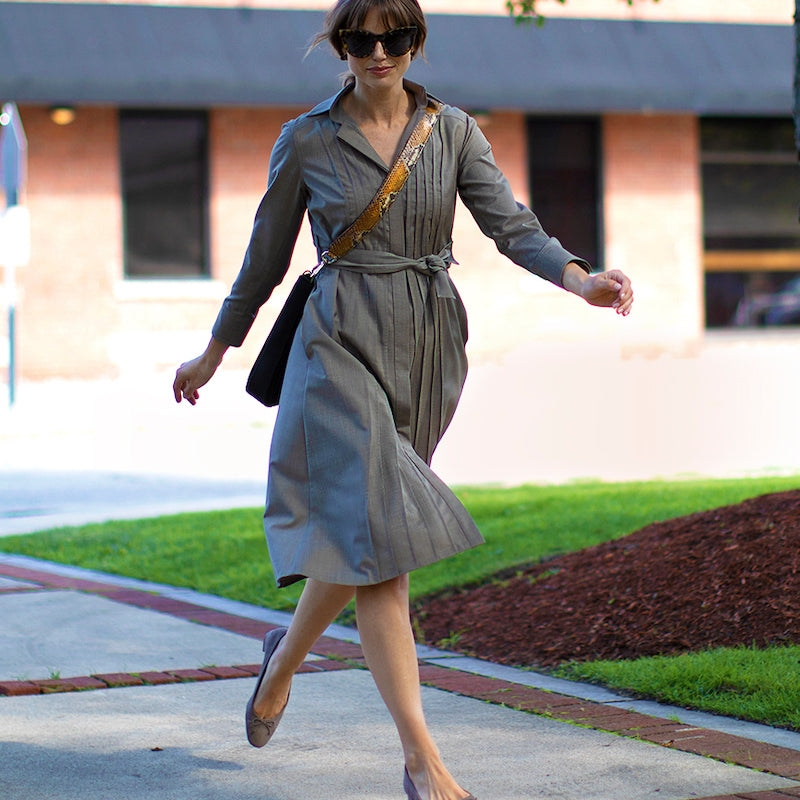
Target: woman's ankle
(421,753)
(430,777)
(275,685)
(271,698)
(281,667)
(416,763)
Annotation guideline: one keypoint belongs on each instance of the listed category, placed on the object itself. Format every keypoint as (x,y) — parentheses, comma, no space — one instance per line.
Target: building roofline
(178,56)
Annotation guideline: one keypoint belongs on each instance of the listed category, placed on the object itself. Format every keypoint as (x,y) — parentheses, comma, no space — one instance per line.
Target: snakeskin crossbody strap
(389,189)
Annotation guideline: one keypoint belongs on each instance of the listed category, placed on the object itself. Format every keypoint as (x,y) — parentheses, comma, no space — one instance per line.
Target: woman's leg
(319,605)
(387,641)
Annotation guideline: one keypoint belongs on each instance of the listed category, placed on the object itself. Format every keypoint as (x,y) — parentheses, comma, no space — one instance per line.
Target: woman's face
(378,70)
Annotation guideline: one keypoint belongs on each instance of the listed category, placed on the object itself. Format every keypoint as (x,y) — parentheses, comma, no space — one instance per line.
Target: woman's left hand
(612,288)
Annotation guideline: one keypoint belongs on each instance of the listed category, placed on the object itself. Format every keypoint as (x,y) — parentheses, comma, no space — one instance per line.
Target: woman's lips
(378,71)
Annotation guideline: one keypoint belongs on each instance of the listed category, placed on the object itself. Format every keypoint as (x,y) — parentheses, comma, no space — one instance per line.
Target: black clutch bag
(266,377)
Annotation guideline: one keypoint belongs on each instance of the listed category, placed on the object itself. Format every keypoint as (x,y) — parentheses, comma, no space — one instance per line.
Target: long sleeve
(514,227)
(272,242)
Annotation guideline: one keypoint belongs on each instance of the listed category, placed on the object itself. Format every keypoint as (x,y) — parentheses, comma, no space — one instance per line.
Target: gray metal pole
(12,367)
(13,164)
(11,291)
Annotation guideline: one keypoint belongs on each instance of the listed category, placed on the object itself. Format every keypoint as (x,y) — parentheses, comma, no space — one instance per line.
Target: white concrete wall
(552,413)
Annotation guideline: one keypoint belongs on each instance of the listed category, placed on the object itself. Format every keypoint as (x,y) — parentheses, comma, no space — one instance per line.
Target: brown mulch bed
(725,577)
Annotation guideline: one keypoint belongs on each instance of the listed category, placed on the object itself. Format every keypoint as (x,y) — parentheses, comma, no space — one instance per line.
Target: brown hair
(352,13)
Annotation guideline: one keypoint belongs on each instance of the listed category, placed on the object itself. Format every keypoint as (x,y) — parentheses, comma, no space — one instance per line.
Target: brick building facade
(81,316)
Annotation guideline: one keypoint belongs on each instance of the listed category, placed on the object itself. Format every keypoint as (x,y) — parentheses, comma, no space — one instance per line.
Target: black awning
(145,55)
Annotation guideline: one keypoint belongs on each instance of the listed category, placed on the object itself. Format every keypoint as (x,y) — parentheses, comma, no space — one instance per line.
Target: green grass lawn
(758,685)
(224,553)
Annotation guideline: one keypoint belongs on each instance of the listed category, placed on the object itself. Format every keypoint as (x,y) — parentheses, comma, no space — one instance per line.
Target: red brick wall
(506,132)
(78,318)
(653,220)
(67,307)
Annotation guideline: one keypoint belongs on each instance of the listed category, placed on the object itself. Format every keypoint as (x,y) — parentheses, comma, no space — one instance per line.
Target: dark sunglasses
(395,43)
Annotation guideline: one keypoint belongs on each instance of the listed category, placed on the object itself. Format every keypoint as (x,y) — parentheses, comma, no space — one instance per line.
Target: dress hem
(288,580)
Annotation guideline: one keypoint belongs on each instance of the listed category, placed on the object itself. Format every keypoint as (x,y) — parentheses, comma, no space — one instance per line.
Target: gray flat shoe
(411,790)
(259,731)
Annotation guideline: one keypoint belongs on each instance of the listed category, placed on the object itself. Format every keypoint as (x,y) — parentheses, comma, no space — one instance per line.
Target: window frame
(597,259)
(753,268)
(203,207)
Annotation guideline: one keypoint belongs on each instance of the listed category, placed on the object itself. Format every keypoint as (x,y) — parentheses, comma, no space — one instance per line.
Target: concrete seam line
(116,680)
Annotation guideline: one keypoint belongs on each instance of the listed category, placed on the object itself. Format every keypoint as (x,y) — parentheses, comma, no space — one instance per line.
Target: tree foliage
(525,11)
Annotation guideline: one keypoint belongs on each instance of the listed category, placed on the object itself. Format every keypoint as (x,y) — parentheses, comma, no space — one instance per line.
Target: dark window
(164,158)
(564,161)
(751,194)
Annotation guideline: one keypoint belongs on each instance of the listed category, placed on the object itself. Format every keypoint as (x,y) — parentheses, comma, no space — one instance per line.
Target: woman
(377,365)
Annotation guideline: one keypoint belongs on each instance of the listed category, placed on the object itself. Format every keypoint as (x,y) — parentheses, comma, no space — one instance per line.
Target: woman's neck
(384,108)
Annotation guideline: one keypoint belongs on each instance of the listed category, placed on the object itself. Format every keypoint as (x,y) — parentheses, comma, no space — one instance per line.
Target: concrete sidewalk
(111,687)
(118,688)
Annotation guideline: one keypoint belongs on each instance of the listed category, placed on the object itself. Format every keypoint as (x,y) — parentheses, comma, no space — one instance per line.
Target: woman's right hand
(191,375)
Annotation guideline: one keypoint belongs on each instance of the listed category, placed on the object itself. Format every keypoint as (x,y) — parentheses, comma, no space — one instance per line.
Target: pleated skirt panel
(374,377)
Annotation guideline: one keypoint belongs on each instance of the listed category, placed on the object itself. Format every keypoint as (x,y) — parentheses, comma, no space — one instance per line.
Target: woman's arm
(610,289)
(515,229)
(275,231)
(266,261)
(191,375)
(519,235)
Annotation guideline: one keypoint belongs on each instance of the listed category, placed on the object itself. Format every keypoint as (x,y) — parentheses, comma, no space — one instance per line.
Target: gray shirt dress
(378,362)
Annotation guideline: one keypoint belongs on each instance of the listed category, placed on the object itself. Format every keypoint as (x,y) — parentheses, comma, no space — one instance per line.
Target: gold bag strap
(389,189)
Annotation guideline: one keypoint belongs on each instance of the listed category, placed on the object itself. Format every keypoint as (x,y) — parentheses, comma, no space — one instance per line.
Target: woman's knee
(395,589)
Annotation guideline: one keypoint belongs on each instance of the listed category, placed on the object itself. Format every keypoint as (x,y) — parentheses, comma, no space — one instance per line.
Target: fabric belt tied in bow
(379,262)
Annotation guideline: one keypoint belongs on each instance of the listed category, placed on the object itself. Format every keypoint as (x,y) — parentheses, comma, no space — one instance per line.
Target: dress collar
(348,131)
(330,106)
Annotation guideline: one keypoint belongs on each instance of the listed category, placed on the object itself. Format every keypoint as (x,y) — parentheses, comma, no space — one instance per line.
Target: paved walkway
(116,688)
(113,687)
